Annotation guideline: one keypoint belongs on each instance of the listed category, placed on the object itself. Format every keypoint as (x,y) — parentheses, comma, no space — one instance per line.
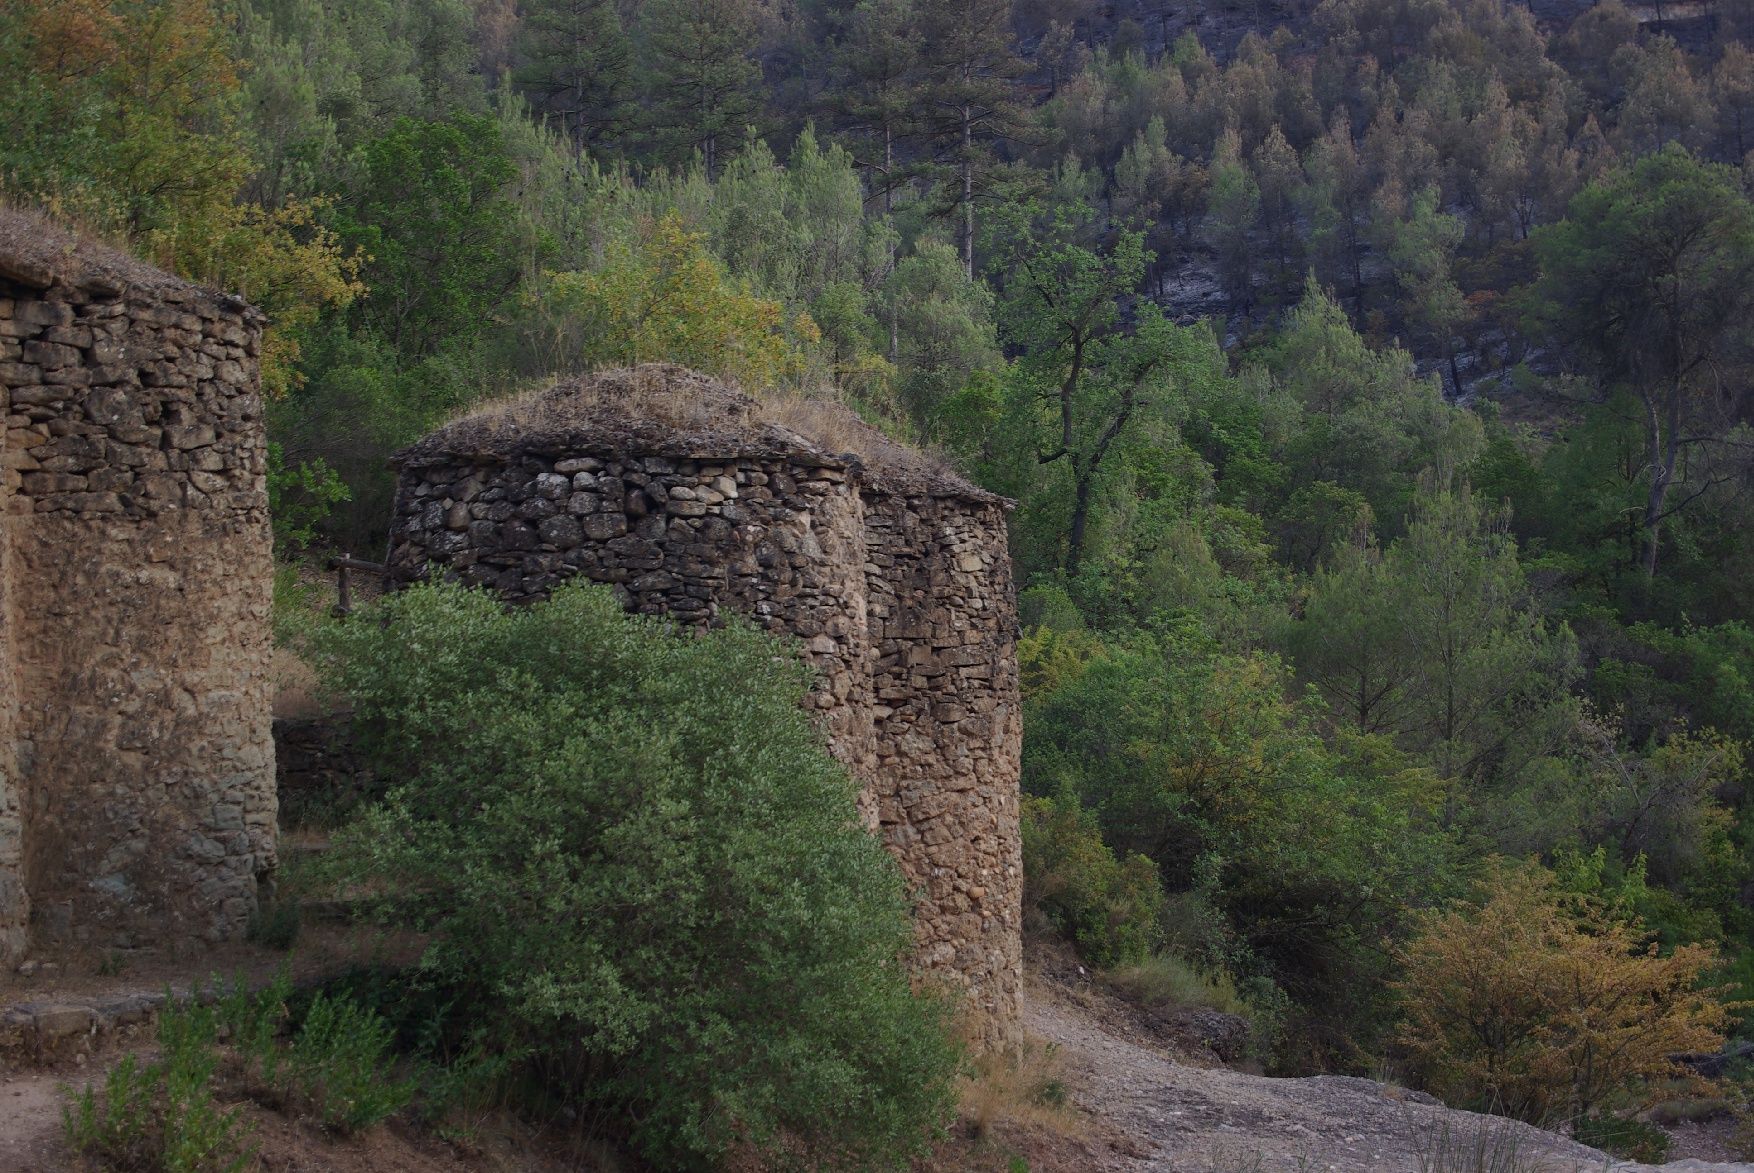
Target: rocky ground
(1164,1114)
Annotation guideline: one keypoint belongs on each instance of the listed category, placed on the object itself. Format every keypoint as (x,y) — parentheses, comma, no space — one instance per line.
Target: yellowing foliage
(1544,1008)
(284,261)
(164,160)
(75,38)
(661,297)
(1048,659)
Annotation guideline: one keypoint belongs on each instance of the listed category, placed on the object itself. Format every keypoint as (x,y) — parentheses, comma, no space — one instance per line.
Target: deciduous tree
(1531,1005)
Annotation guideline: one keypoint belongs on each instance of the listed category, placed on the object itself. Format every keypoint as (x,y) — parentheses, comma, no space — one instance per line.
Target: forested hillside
(1372,378)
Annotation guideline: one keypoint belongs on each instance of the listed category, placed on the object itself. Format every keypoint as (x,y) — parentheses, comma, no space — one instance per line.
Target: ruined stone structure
(136,762)
(892,573)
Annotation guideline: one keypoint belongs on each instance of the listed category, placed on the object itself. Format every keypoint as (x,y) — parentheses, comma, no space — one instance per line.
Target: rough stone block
(43,313)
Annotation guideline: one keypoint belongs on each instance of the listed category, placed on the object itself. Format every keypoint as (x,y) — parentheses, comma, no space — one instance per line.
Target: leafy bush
(160,1117)
(1289,858)
(1633,1140)
(252,1023)
(300,498)
(1544,1007)
(338,1062)
(1108,907)
(1164,979)
(631,851)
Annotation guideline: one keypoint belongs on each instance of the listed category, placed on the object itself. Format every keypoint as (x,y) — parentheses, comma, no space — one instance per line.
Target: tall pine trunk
(968,190)
(1662,452)
(889,224)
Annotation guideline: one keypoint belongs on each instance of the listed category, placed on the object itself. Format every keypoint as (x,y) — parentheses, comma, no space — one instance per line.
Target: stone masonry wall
(902,600)
(14,898)
(138,577)
(676,535)
(949,730)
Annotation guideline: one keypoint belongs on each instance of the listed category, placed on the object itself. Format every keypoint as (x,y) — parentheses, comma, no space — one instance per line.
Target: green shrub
(1632,1140)
(276,923)
(339,1062)
(1110,908)
(1166,980)
(160,1117)
(300,498)
(252,1023)
(298,607)
(633,855)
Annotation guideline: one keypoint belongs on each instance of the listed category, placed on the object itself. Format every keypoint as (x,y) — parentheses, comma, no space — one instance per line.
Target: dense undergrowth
(640,875)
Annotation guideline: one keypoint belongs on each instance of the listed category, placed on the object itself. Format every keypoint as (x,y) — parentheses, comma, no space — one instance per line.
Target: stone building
(136,763)
(891,572)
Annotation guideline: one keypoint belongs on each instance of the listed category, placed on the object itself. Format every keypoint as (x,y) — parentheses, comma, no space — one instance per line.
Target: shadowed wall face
(14,900)
(898,589)
(949,731)
(136,574)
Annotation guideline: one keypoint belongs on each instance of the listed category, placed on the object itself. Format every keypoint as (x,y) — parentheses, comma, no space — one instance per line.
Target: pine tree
(970,97)
(878,97)
(1233,207)
(1336,204)
(576,66)
(1279,178)
(1732,90)
(702,85)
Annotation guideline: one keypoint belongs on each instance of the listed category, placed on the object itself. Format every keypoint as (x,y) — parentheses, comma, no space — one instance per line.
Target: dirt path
(1199,1120)
(30,1122)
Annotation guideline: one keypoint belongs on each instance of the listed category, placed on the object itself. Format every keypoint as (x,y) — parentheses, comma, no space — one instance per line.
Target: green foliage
(439,201)
(1198,760)
(1108,907)
(1365,421)
(600,813)
(1647,278)
(276,922)
(700,80)
(661,297)
(1087,384)
(129,125)
(1438,645)
(300,498)
(431,210)
(943,325)
(338,1060)
(160,1116)
(252,1022)
(578,67)
(1631,1139)
(1166,980)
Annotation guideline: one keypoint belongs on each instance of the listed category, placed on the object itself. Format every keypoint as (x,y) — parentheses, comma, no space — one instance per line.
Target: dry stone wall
(14,900)
(136,576)
(677,535)
(941,622)
(897,586)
